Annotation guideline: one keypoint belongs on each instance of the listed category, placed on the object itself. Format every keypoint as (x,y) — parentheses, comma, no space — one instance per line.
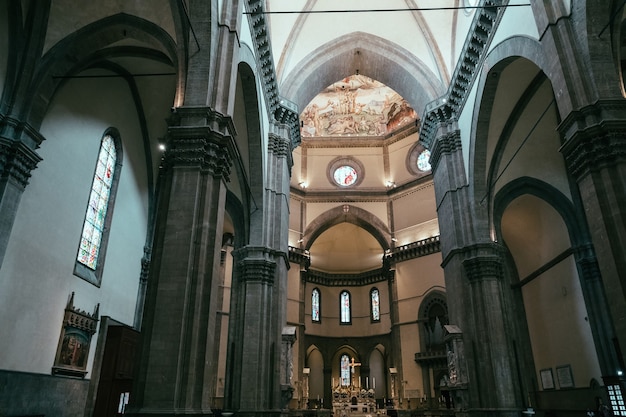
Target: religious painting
(356,106)
(75,340)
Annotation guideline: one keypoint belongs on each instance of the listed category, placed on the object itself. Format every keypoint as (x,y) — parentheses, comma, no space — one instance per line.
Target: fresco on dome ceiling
(356,106)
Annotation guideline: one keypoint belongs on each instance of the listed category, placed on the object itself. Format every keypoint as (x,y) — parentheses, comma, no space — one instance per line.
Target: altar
(351,400)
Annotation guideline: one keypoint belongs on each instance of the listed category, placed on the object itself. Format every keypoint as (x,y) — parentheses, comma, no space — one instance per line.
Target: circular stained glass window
(422,161)
(345,175)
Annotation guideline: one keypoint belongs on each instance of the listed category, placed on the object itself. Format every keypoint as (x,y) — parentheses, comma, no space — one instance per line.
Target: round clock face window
(422,161)
(345,175)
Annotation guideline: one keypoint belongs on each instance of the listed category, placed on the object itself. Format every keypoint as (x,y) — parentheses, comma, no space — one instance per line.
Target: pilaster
(595,153)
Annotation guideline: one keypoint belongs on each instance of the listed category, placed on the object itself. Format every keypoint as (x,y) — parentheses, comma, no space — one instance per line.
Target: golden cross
(354,364)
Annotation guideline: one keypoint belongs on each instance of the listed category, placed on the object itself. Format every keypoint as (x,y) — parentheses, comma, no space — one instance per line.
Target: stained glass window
(345,370)
(345,175)
(375,303)
(423,159)
(99,197)
(345,307)
(315,305)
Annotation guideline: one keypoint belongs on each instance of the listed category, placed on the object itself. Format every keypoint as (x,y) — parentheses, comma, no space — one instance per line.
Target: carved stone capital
(482,261)
(257,263)
(200,137)
(17,161)
(595,137)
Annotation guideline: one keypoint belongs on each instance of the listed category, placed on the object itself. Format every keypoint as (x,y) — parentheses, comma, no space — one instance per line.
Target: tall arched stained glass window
(94,236)
(344,307)
(315,305)
(345,370)
(375,304)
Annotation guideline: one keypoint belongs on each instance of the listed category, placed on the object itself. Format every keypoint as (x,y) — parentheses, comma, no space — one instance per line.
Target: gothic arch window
(344,366)
(375,304)
(345,314)
(315,305)
(94,235)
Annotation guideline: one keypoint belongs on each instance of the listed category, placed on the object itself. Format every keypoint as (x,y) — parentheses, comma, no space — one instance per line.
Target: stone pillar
(395,354)
(17,160)
(180,312)
(259,293)
(474,283)
(595,153)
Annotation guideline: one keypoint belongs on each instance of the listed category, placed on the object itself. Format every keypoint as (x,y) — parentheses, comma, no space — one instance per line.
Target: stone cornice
(261,38)
(446,144)
(360,141)
(346,280)
(485,21)
(281,109)
(363,195)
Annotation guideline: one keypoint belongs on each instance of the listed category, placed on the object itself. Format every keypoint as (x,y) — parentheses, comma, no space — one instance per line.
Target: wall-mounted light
(161,146)
(302,184)
(390,184)
(393,239)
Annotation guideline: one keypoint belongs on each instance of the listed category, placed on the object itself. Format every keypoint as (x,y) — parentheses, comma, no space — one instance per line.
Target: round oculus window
(422,161)
(345,176)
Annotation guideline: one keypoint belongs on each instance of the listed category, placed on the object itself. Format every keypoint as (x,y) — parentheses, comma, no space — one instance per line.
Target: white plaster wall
(37,275)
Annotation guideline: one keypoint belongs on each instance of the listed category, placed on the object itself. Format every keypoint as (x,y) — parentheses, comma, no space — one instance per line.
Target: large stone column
(595,153)
(474,284)
(259,294)
(179,321)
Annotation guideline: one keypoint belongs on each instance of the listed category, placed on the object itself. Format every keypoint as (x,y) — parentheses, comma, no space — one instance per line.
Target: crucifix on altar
(353,365)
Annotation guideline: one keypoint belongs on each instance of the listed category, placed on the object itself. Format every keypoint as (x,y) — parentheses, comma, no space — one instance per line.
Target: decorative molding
(486,20)
(360,141)
(278,145)
(346,280)
(256,270)
(287,114)
(17,161)
(481,268)
(445,145)
(594,149)
(200,137)
(415,250)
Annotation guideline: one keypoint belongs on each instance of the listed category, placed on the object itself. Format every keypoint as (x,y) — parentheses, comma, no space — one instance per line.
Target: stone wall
(26,394)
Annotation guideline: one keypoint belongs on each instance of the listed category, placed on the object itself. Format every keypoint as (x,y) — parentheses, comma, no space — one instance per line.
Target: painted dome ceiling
(356,106)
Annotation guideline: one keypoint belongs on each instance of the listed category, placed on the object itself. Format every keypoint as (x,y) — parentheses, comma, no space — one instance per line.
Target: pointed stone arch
(374,57)
(350,214)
